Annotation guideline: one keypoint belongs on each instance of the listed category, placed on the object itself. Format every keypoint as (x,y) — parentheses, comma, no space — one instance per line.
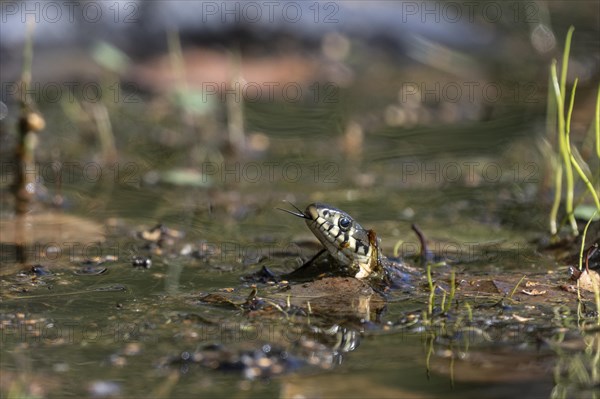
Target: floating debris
(533,292)
(111,288)
(142,261)
(160,232)
(104,389)
(263,363)
(204,251)
(40,270)
(159,238)
(94,266)
(264,276)
(91,270)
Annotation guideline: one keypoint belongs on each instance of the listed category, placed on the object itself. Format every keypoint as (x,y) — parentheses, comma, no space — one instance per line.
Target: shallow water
(85,322)
(66,331)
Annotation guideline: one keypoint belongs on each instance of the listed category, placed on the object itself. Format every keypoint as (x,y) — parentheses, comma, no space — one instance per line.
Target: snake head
(345,240)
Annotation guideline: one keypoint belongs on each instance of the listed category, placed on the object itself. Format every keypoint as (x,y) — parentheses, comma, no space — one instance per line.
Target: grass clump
(568,161)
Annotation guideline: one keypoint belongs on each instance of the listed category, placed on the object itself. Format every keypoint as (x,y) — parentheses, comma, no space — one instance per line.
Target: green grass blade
(583,241)
(574,162)
(565,63)
(598,124)
(563,148)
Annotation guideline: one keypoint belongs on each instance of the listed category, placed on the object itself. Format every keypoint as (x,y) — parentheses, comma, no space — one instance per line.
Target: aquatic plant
(564,145)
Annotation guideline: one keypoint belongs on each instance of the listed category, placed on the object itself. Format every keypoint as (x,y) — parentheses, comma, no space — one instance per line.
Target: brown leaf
(521,319)
(533,292)
(588,280)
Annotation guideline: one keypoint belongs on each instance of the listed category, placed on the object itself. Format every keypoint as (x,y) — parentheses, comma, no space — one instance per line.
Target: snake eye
(344,223)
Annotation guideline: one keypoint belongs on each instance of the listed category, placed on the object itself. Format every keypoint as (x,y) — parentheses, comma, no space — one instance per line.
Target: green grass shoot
(517,286)
(564,143)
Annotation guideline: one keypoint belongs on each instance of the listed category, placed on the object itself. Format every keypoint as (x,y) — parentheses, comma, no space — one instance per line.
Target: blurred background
(368,92)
